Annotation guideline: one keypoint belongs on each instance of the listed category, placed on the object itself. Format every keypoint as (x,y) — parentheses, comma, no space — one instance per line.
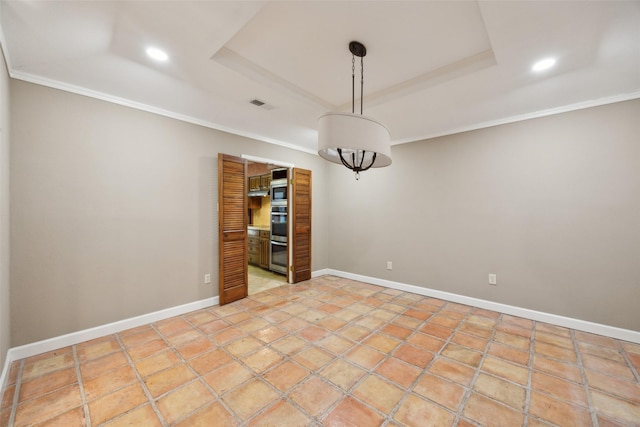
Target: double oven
(279,220)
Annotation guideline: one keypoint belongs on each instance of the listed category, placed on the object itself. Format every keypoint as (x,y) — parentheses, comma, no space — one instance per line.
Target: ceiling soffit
(290,47)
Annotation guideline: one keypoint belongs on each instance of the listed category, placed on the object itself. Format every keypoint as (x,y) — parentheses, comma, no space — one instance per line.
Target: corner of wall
(5,328)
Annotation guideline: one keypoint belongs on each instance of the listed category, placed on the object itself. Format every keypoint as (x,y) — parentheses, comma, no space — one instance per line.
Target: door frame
(289,166)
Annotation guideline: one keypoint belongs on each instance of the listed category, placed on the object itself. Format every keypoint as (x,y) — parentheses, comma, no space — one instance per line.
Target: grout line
(527,401)
(307,299)
(467,395)
(141,382)
(585,383)
(412,386)
(623,351)
(199,377)
(85,406)
(16,393)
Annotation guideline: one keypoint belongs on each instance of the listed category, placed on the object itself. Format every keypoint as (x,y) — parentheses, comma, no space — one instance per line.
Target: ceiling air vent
(261,104)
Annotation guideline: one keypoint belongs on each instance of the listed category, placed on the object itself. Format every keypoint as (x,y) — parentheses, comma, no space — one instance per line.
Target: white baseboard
(319,273)
(39,347)
(567,322)
(28,350)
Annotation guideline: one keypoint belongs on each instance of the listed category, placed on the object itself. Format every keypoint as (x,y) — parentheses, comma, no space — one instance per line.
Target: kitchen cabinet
(264,249)
(254,183)
(258,247)
(260,182)
(255,202)
(265,181)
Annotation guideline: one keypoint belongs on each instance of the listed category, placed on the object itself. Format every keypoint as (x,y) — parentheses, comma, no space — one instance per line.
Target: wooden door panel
(233,248)
(301,226)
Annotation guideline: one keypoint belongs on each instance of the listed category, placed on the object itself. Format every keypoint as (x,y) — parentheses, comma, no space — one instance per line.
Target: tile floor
(332,352)
(261,280)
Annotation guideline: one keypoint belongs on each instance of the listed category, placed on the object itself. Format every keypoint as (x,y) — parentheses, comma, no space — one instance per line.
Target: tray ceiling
(431,68)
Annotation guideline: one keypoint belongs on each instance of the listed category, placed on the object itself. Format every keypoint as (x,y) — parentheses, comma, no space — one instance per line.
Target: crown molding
(78,90)
(528,116)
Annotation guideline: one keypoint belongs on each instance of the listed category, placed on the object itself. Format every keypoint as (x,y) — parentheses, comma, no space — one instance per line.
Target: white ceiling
(432,67)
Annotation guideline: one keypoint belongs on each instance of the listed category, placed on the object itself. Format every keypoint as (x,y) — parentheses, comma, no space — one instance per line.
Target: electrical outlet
(389,265)
(493,279)
(207,278)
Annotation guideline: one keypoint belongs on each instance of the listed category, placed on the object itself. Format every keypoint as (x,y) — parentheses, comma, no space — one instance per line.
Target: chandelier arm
(361,160)
(343,160)
(373,161)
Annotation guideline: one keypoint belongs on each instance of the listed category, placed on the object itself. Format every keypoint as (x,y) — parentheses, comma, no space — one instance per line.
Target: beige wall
(114,210)
(551,205)
(113,213)
(262,215)
(4,211)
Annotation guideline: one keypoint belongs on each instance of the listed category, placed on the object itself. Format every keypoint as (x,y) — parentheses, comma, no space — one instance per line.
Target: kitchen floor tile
(343,374)
(48,406)
(203,417)
(315,396)
(558,388)
(350,412)
(364,356)
(209,361)
(557,411)
(557,368)
(169,379)
(444,392)
(262,360)
(227,377)
(462,374)
(415,356)
(418,412)
(45,384)
(487,412)
(249,398)
(110,380)
(331,351)
(116,403)
(286,376)
(97,348)
(282,413)
(183,401)
(141,416)
(72,418)
(505,369)
(398,372)
(378,393)
(156,363)
(503,391)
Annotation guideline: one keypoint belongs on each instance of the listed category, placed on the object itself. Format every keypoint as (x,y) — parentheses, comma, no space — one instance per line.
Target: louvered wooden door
(301,217)
(233,251)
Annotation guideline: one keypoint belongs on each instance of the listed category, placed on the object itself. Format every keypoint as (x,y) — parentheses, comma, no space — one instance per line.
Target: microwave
(279,194)
(279,186)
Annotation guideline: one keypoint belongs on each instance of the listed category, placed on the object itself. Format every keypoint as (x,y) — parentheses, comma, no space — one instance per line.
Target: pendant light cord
(361,83)
(353,83)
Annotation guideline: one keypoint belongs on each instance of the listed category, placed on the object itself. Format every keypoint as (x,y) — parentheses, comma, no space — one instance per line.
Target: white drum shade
(353,133)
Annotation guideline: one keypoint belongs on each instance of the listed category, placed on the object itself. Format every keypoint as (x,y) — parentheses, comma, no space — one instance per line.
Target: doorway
(267,221)
(234,232)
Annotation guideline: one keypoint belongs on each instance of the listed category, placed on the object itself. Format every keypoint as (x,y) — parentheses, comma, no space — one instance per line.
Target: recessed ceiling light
(544,64)
(157,54)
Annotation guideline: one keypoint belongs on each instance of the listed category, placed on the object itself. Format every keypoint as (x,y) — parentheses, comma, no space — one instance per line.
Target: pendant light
(353,140)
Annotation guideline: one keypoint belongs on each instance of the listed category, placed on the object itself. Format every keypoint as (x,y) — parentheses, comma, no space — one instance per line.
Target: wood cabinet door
(233,279)
(264,253)
(301,225)
(254,183)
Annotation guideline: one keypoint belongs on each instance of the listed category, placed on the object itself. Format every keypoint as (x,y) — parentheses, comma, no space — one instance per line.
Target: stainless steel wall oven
(279,220)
